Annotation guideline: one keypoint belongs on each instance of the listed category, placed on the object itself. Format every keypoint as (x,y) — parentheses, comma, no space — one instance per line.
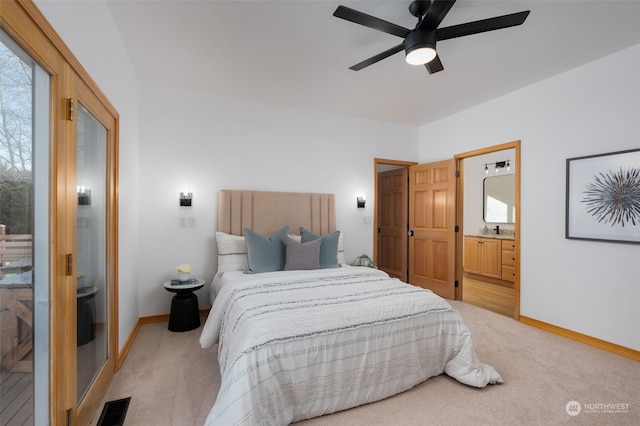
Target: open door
(432,214)
(392,222)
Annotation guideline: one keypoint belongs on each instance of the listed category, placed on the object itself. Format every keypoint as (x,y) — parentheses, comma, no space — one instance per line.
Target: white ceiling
(296,53)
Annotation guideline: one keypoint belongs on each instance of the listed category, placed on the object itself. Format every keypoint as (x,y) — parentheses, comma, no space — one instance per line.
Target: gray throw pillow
(328,247)
(266,254)
(301,255)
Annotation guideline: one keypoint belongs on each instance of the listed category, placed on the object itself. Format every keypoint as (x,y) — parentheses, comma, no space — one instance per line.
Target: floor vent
(114,412)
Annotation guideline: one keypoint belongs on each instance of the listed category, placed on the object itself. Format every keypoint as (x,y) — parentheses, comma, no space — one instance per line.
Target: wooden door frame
(382,162)
(515,145)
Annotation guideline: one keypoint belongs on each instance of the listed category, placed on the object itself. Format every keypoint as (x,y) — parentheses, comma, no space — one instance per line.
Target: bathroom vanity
(490,256)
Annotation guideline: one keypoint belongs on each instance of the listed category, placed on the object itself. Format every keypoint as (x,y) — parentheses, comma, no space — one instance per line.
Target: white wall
(589,287)
(209,143)
(89,31)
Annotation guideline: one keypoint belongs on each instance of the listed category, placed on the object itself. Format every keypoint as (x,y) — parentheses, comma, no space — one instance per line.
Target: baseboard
(583,338)
(154,319)
(141,321)
(127,345)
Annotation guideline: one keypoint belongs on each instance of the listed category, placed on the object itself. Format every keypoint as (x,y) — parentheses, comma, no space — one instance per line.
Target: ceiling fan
(420,43)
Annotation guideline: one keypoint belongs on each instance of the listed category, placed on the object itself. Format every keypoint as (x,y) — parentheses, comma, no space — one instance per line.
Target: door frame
(515,145)
(383,162)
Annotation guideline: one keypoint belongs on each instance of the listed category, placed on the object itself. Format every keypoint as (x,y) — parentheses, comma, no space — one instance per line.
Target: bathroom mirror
(499,199)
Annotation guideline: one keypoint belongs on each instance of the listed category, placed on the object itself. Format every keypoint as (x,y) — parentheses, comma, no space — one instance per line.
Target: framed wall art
(603,197)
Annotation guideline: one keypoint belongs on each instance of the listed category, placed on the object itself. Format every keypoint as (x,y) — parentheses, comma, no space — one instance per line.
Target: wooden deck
(16,398)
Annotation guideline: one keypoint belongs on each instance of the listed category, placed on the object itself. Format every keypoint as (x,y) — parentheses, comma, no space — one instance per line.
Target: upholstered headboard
(266,211)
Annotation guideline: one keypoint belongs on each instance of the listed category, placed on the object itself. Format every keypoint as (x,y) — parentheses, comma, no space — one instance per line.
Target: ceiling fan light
(420,56)
(420,47)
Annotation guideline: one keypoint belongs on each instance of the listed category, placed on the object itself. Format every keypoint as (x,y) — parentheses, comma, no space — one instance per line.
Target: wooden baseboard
(583,338)
(154,319)
(141,321)
(127,345)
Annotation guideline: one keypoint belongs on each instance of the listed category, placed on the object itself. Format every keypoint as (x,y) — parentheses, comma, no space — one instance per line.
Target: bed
(300,343)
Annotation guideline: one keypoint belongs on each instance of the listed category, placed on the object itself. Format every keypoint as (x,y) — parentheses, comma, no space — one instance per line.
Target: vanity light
(84,196)
(185,199)
(499,165)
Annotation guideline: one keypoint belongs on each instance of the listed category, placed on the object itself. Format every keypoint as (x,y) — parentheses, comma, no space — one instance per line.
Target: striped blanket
(299,344)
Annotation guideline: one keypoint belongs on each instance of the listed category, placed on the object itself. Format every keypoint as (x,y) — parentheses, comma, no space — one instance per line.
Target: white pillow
(232,252)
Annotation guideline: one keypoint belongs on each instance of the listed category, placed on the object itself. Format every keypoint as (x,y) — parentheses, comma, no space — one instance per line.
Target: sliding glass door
(24,237)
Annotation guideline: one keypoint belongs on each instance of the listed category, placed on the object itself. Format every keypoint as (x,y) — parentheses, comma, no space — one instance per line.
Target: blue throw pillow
(265,254)
(328,247)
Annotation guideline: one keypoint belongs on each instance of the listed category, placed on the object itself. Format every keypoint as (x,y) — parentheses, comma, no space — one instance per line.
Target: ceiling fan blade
(435,65)
(370,21)
(481,26)
(380,56)
(436,13)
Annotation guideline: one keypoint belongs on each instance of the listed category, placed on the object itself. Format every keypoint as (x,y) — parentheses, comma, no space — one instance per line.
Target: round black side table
(185,313)
(86,308)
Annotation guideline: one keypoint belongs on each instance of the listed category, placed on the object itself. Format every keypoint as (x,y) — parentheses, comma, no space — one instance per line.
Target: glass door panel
(92,307)
(95,182)
(24,237)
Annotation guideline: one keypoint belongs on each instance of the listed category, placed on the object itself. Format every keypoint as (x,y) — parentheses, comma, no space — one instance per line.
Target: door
(24,237)
(93,191)
(392,217)
(432,214)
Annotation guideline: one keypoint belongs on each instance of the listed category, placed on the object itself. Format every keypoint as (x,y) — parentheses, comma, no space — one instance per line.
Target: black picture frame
(603,197)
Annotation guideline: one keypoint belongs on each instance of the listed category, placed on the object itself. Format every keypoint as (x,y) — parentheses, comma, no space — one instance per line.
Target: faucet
(497,229)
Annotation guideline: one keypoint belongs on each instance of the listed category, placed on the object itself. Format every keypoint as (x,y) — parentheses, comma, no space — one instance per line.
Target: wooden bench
(16,304)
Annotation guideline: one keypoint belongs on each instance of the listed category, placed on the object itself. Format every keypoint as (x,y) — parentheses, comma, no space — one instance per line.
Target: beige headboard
(266,211)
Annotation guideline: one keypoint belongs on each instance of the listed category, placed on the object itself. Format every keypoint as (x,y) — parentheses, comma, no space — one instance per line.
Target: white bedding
(299,344)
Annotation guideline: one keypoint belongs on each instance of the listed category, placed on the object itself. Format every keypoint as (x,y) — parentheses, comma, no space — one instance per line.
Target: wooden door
(94,211)
(432,213)
(392,222)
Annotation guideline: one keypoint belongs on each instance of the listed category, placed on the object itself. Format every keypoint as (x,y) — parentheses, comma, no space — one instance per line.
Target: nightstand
(185,313)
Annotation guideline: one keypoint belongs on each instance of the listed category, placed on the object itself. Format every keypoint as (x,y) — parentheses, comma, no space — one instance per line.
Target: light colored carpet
(172,381)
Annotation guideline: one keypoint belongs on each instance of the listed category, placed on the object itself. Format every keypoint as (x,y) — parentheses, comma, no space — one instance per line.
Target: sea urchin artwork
(614,197)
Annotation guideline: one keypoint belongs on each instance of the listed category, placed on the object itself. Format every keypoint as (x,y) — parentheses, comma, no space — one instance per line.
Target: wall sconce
(84,196)
(185,199)
(361,201)
(499,165)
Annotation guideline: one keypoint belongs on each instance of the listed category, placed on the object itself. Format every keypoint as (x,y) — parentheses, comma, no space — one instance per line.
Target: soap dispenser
(486,230)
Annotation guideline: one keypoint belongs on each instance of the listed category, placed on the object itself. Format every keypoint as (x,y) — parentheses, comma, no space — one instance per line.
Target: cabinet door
(490,258)
(471,262)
